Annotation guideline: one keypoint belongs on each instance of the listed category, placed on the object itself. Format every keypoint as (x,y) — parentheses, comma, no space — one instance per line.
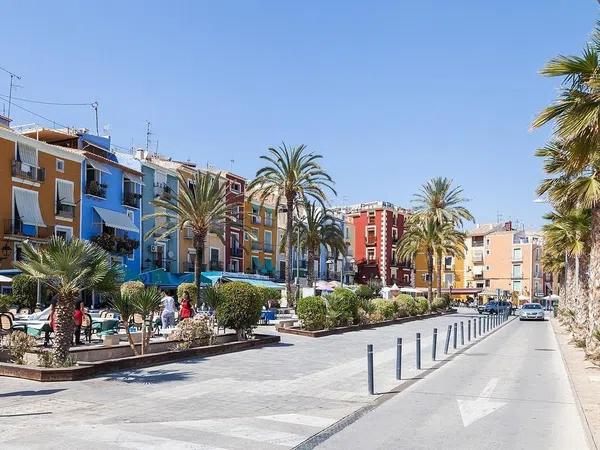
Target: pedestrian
(167,314)
(186,311)
(78,320)
(52,320)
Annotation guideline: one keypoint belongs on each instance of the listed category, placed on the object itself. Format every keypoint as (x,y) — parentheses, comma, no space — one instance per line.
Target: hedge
(239,308)
(342,307)
(312,312)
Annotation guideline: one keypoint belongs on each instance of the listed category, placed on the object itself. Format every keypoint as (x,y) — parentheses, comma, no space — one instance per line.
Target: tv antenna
(148,133)
(12,85)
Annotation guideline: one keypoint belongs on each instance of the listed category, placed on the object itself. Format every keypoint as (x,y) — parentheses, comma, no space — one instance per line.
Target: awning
(116,219)
(4,279)
(477,270)
(29,207)
(134,178)
(99,166)
(160,278)
(65,192)
(27,154)
(255,282)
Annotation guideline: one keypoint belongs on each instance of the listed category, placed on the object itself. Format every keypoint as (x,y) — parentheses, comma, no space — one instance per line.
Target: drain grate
(544,349)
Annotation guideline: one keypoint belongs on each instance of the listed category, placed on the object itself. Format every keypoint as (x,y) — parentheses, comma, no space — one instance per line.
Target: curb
(582,415)
(323,435)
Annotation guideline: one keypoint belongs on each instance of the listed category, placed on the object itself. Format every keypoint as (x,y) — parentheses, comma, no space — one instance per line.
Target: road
(509,391)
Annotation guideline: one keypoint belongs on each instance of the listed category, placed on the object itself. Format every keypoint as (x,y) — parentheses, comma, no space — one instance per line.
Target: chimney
(140,154)
(4,121)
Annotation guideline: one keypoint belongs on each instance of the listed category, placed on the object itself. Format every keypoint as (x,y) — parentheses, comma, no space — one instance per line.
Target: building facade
(234,227)
(261,238)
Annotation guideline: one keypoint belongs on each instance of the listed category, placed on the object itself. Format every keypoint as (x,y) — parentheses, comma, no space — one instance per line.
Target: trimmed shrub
(342,307)
(239,307)
(191,288)
(387,308)
(407,304)
(20,343)
(6,302)
(270,296)
(24,291)
(132,287)
(189,331)
(365,292)
(312,312)
(440,304)
(421,305)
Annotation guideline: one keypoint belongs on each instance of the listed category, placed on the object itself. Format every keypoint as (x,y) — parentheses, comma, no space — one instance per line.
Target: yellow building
(260,237)
(453,274)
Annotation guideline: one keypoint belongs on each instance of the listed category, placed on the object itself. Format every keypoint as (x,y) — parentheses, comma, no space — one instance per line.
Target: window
(60,165)
(517,256)
(63,232)
(537,288)
(487,283)
(268,217)
(65,199)
(268,242)
(537,271)
(516,271)
(487,242)
(371,217)
(517,286)
(370,254)
(236,187)
(394,234)
(448,262)
(255,214)
(116,260)
(214,254)
(487,268)
(448,279)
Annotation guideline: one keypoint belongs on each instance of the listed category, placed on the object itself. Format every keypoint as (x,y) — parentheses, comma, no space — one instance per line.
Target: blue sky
(391,93)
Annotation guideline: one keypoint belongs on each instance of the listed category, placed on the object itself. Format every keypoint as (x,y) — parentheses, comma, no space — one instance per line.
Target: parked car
(532,311)
(494,307)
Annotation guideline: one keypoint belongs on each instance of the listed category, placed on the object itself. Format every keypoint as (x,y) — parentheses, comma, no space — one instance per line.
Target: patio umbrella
(4,279)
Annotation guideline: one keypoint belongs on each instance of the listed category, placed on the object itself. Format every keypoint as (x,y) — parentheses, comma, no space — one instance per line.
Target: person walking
(186,311)
(168,311)
(78,320)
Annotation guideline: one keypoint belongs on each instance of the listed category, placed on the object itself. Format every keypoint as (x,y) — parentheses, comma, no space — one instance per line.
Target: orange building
(40,188)
(260,238)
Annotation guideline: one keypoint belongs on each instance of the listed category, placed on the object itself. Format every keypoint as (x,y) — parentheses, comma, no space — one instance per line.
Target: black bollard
(434,345)
(475,328)
(370,369)
(448,333)
(462,333)
(455,337)
(398,358)
(469,330)
(418,351)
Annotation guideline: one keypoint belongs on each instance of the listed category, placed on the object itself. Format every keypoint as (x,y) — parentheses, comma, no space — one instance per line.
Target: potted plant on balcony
(105,241)
(96,189)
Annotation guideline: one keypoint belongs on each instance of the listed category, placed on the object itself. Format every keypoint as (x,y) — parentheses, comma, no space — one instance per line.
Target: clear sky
(391,93)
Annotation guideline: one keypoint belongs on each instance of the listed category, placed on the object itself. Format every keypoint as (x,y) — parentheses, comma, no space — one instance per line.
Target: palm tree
(451,242)
(319,228)
(199,206)
(576,115)
(291,176)
(443,203)
(146,302)
(420,236)
(68,268)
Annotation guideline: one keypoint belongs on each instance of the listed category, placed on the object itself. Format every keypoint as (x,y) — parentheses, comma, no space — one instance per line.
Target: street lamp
(328,262)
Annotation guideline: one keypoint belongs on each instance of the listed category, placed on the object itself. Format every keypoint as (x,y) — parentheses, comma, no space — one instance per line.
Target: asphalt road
(510,391)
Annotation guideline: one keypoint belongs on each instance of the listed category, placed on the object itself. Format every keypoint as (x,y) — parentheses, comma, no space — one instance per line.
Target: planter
(91,369)
(321,333)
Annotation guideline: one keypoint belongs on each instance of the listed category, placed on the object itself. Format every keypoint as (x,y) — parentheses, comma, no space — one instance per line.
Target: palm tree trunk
(439,275)
(199,246)
(568,306)
(310,271)
(63,333)
(288,250)
(582,298)
(429,277)
(593,344)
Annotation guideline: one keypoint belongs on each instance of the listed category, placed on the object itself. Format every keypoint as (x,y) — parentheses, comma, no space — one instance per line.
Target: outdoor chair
(24,311)
(6,327)
(109,315)
(11,314)
(86,327)
(37,310)
(138,321)
(103,313)
(13,311)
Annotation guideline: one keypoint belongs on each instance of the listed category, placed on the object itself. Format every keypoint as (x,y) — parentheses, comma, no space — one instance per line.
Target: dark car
(494,307)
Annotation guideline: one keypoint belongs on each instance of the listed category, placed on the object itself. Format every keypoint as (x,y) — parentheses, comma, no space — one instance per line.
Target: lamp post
(328,263)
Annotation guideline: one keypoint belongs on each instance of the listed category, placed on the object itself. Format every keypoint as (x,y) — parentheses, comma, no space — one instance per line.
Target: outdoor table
(34,327)
(266,316)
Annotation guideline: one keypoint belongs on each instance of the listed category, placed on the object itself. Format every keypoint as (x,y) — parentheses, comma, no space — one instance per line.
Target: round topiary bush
(407,305)
(365,292)
(239,307)
(422,305)
(312,312)
(342,307)
(132,287)
(387,308)
(439,304)
(24,291)
(271,297)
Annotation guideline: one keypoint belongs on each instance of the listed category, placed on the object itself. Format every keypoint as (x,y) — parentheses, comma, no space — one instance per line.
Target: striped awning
(65,192)
(99,166)
(27,154)
(134,178)
(28,207)
(116,219)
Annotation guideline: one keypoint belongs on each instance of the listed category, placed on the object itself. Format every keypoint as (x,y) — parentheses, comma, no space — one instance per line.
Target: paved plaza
(273,397)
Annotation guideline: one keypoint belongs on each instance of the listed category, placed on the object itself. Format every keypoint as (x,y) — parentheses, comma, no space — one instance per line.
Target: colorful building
(453,274)
(261,238)
(234,229)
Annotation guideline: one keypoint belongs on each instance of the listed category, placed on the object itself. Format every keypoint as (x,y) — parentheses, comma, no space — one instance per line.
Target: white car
(531,311)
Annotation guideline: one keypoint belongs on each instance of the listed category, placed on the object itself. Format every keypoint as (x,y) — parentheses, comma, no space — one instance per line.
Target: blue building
(111,203)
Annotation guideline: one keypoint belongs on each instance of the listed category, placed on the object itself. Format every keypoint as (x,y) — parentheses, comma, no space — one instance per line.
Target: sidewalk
(585,380)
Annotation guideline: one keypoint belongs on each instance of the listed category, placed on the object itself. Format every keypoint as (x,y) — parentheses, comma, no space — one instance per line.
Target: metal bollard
(475,328)
(370,369)
(455,337)
(448,333)
(469,330)
(462,333)
(418,351)
(434,345)
(398,358)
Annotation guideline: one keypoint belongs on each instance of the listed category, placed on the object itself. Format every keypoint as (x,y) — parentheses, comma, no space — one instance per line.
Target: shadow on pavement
(149,377)
(26,414)
(31,393)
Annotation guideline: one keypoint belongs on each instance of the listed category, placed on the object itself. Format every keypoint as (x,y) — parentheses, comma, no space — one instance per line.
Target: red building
(234,251)
(377,228)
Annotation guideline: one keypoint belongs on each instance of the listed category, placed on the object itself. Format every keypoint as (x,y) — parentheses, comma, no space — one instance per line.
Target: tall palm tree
(420,236)
(442,202)
(199,206)
(67,268)
(450,242)
(292,176)
(318,228)
(576,114)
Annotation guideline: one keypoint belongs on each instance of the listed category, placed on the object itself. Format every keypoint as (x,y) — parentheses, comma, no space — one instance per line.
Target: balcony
(371,240)
(216,266)
(256,246)
(163,191)
(119,245)
(189,267)
(517,259)
(96,189)
(237,252)
(256,220)
(65,211)
(132,199)
(477,244)
(268,221)
(27,172)
(188,233)
(268,248)
(371,220)
(17,228)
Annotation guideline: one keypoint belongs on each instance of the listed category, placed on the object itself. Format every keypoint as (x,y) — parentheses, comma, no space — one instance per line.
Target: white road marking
(301,419)
(473,410)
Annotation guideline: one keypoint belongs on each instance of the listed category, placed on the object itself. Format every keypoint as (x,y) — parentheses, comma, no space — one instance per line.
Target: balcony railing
(132,199)
(268,248)
(237,252)
(268,221)
(17,228)
(477,244)
(189,267)
(371,240)
(216,265)
(188,233)
(66,211)
(255,245)
(27,172)
(96,189)
(120,245)
(163,191)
